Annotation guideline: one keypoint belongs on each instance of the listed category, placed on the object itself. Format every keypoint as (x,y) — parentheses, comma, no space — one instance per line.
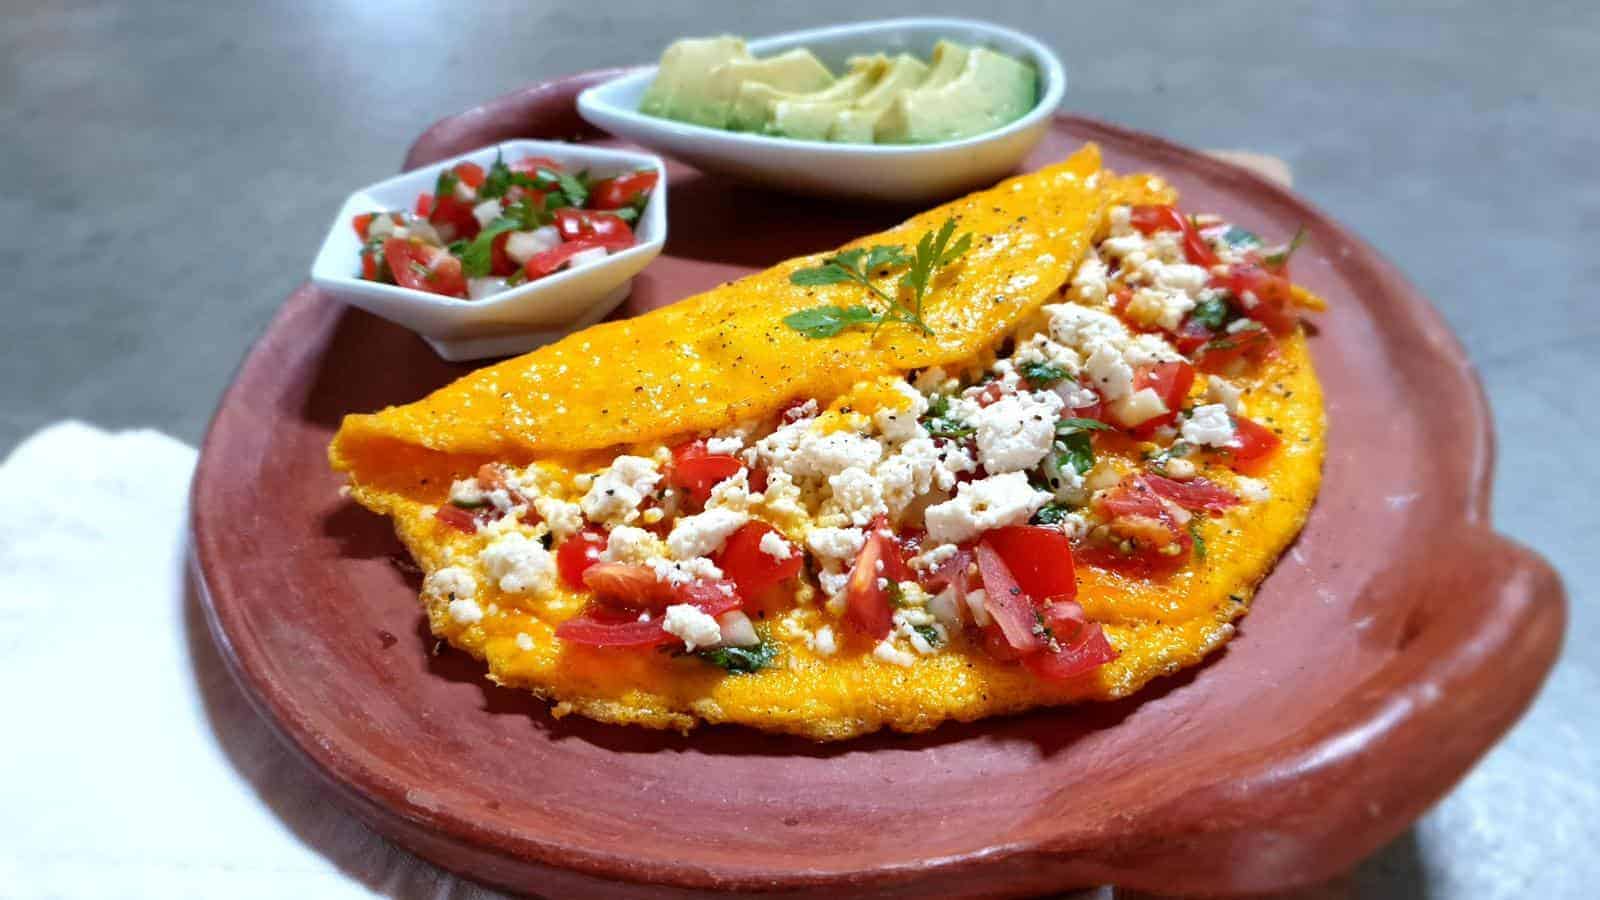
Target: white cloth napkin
(130,763)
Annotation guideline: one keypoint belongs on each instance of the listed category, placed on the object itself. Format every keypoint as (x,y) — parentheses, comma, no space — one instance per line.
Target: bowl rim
(597,105)
(654,218)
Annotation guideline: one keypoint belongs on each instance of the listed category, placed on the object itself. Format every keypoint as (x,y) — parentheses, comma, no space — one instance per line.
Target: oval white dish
(512,321)
(889,172)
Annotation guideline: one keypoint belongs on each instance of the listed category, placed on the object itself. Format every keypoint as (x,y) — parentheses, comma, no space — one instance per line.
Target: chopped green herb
(1042,374)
(477,257)
(1067,427)
(741,660)
(930,634)
(576,187)
(497,180)
(1077,451)
(1050,514)
(469,504)
(897,596)
(1176,450)
(1211,312)
(1199,542)
(940,423)
(445,186)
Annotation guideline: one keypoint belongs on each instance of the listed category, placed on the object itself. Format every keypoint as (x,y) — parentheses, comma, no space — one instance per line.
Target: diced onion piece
(479,288)
(946,608)
(1139,407)
(522,246)
(487,211)
(585,257)
(737,630)
(424,231)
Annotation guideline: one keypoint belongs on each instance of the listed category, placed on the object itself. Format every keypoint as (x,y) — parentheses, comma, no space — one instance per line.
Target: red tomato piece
(369,265)
(361,223)
(424,268)
(1136,512)
(1150,219)
(615,193)
(548,262)
(577,553)
(453,218)
(1078,646)
(1171,381)
(424,204)
(1196,493)
(604,229)
(602,626)
(697,472)
(1273,295)
(1192,336)
(752,568)
(989,393)
(1007,604)
(500,264)
(1220,351)
(528,165)
(952,573)
(1255,441)
(463,520)
(867,607)
(628,585)
(1038,558)
(470,173)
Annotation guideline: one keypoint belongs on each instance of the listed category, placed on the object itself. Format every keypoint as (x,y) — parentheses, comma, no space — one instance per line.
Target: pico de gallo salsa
(480,232)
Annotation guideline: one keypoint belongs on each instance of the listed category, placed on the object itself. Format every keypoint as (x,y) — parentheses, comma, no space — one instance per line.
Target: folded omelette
(1036,446)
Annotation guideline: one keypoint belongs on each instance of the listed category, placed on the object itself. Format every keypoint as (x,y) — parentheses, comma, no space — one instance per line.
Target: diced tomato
(627,584)
(697,472)
(361,223)
(424,204)
(470,173)
(1040,559)
(547,262)
(1137,513)
(1007,604)
(460,519)
(577,553)
(453,218)
(615,193)
(1255,441)
(867,607)
(499,263)
(1220,351)
(1273,295)
(1077,645)
(424,268)
(752,568)
(952,573)
(1171,381)
(1150,219)
(603,626)
(528,165)
(989,393)
(369,265)
(1196,493)
(602,228)
(1192,336)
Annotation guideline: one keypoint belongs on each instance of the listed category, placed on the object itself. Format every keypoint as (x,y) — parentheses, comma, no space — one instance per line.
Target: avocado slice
(678,90)
(806,116)
(858,123)
(989,90)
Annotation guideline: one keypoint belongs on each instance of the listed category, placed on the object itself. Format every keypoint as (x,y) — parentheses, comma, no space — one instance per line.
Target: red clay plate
(1394,643)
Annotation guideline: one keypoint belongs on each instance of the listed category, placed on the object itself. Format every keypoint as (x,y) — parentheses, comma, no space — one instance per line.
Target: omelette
(1033,447)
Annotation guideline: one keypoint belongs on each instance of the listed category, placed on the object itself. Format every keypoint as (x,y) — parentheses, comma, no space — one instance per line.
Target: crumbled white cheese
(887,652)
(833,583)
(979,506)
(1209,426)
(1089,282)
(524,641)
(704,534)
(450,581)
(835,543)
(466,492)
(899,423)
(1110,372)
(683,571)
(627,544)
(465,611)
(931,558)
(518,563)
(975,601)
(724,445)
(821,455)
(1016,431)
(773,545)
(857,494)
(1160,306)
(564,518)
(695,627)
(822,642)
(1252,489)
(615,494)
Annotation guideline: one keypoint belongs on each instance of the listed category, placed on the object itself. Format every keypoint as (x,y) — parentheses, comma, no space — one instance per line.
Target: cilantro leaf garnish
(1199,542)
(741,660)
(1067,427)
(1281,258)
(1074,444)
(477,257)
(1211,312)
(827,321)
(929,634)
(576,187)
(497,180)
(445,186)
(1042,374)
(1050,514)
(859,265)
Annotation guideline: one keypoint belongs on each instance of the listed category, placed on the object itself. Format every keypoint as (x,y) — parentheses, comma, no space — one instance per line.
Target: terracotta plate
(1391,647)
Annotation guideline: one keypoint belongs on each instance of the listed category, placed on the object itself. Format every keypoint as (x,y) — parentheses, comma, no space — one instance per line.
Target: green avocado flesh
(960,92)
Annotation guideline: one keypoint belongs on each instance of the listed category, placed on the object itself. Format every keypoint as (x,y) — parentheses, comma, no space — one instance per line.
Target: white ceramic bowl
(515,320)
(893,172)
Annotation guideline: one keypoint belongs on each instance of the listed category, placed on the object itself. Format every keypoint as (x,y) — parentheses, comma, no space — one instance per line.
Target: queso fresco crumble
(945,508)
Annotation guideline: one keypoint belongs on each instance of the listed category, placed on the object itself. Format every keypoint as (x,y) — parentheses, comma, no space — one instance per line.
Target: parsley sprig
(1074,445)
(860,265)
(742,660)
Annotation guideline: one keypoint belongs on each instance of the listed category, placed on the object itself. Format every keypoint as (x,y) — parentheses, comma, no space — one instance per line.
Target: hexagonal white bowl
(890,172)
(512,321)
